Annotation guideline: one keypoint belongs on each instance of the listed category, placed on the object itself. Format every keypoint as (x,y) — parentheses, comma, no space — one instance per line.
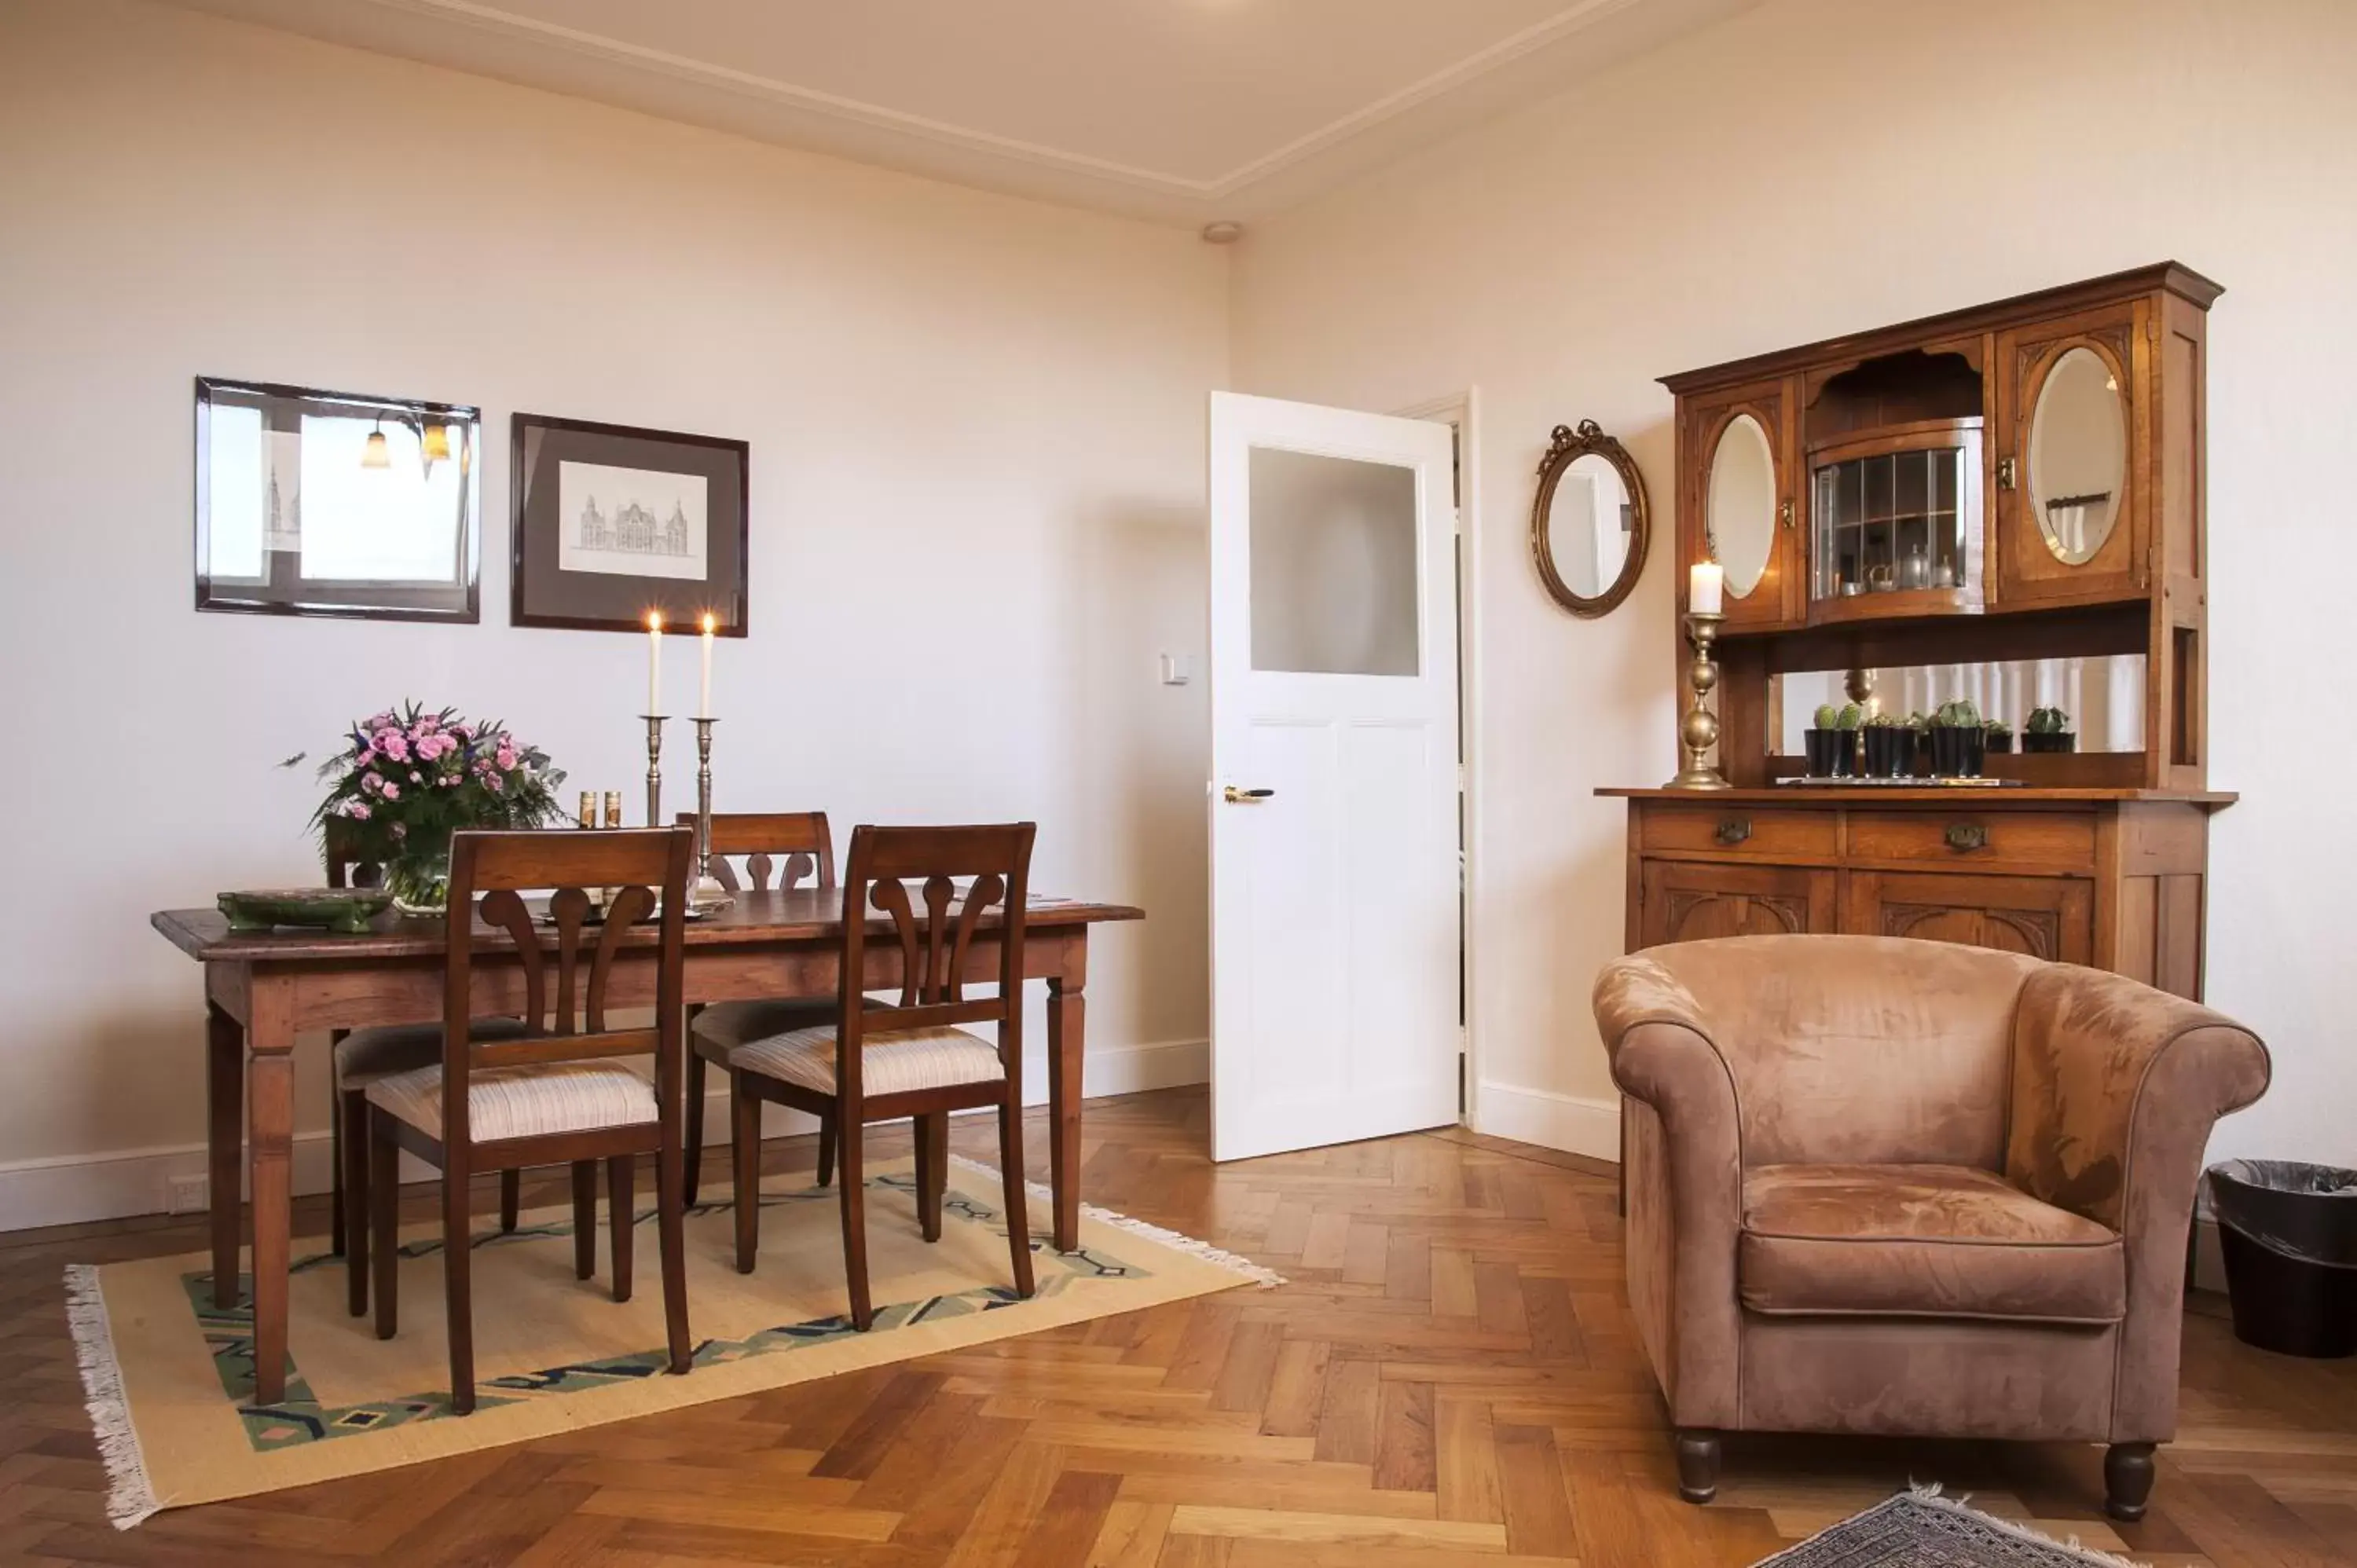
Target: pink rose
(370,782)
(393,743)
(359,809)
(506,757)
(392,791)
(492,782)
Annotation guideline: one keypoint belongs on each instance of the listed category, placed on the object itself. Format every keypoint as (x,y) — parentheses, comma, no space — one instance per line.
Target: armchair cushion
(1923,1241)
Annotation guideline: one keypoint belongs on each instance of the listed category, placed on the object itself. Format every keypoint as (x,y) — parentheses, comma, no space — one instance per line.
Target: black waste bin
(2289,1234)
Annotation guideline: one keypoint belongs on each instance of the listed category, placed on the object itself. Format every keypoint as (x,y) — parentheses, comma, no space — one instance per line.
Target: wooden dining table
(263,988)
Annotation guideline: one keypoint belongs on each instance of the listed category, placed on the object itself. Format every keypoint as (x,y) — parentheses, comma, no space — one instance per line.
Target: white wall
(1817,166)
(977,457)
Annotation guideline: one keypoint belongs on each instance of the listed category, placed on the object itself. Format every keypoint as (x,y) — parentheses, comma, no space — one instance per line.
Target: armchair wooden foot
(1697,1466)
(2128,1480)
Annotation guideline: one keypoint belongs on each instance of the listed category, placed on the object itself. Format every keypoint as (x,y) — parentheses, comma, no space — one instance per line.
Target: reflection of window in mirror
(2103,694)
(322,503)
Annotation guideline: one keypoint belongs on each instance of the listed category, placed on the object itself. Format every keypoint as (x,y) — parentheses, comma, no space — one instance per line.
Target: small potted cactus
(2048,729)
(1998,736)
(1958,739)
(1831,741)
(1889,746)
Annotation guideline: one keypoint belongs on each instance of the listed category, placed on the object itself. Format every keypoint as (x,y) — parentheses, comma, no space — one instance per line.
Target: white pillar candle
(703,698)
(1704,585)
(654,661)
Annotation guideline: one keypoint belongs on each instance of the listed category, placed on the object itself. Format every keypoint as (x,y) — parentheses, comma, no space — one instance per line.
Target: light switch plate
(1178,668)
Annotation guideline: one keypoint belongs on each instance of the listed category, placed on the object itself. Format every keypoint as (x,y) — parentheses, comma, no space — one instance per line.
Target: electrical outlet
(187,1195)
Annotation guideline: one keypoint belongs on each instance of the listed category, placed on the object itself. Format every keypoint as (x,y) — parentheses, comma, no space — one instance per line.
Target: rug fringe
(1930,1493)
(130,1499)
(1176,1241)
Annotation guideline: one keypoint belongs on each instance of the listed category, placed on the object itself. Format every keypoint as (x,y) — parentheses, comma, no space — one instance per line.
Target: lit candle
(654,661)
(704,700)
(1703,588)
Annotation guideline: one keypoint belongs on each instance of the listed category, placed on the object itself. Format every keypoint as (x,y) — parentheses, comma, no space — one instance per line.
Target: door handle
(1235,797)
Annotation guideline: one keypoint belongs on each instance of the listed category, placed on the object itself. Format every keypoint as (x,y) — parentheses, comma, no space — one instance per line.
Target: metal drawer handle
(1733,831)
(1963,836)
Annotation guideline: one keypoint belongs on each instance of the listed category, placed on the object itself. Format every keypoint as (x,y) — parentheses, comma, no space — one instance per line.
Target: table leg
(224,1139)
(270,1129)
(1067,1031)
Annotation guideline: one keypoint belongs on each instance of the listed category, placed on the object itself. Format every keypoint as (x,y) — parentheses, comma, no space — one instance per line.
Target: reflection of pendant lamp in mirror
(436,443)
(375,454)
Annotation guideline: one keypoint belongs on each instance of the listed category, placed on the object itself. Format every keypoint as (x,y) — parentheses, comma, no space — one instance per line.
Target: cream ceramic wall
(1816,166)
(977,456)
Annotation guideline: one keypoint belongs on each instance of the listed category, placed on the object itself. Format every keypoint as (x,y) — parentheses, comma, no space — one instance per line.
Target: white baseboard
(72,1189)
(1570,1123)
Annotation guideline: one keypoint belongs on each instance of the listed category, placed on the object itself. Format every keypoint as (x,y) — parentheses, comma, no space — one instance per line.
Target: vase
(419,880)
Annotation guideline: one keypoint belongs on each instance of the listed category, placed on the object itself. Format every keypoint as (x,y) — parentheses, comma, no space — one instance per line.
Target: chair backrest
(647,868)
(794,844)
(1860,1050)
(936,940)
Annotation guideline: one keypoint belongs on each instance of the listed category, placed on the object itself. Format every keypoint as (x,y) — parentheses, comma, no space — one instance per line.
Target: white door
(1333,797)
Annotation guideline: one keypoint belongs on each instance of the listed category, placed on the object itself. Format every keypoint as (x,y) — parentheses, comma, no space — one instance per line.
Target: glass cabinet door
(1888,518)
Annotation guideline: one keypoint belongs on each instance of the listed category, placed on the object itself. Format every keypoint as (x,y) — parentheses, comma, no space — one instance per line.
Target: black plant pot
(2032,741)
(1889,751)
(1920,763)
(2000,743)
(1957,751)
(1833,753)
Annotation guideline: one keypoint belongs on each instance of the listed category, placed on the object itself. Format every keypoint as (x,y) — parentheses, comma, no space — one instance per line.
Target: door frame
(1461,411)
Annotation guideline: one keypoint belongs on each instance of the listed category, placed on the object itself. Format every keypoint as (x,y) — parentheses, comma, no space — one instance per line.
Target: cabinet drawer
(1739,832)
(2050,841)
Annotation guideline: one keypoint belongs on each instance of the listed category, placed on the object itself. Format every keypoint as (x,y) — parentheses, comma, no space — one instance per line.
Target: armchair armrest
(2116,1087)
(1685,1185)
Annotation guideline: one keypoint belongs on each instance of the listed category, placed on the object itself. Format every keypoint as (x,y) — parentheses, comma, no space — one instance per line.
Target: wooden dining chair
(357,1059)
(557,1095)
(792,846)
(880,1063)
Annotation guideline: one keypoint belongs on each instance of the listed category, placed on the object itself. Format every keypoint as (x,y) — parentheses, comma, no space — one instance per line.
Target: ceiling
(1185,111)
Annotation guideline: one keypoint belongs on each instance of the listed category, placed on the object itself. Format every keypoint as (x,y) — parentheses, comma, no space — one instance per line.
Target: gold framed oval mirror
(1589,525)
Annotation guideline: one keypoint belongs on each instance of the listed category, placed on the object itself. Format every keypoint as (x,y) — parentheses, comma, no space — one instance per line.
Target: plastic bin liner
(2302,1211)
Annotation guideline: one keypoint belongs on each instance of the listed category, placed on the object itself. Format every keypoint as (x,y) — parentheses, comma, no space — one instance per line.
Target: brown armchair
(1910,1188)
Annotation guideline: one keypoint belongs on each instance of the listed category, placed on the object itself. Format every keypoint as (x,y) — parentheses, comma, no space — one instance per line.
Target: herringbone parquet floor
(1451,1378)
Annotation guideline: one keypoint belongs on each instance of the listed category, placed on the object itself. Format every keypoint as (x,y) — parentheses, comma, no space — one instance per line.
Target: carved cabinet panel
(1684,901)
(2050,918)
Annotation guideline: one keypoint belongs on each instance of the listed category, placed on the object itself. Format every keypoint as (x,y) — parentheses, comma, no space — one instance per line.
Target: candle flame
(711,622)
(654,620)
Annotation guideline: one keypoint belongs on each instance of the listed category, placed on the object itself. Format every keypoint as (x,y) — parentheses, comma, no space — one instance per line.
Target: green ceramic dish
(345,911)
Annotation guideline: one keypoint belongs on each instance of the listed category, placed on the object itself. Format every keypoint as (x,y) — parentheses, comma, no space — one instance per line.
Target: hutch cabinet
(2013,487)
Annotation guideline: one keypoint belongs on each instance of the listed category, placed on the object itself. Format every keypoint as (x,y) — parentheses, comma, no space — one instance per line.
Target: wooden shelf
(1974,797)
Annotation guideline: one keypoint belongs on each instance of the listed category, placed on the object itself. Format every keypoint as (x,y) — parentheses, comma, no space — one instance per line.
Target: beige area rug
(170,1380)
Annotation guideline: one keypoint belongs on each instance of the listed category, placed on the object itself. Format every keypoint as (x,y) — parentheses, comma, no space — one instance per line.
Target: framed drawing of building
(611,522)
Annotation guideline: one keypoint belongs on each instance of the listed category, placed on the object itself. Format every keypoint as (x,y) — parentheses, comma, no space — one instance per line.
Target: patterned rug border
(131,1497)
(1927,1495)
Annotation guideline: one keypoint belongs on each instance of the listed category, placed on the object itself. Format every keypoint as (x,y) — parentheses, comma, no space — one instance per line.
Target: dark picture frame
(676,504)
(271,578)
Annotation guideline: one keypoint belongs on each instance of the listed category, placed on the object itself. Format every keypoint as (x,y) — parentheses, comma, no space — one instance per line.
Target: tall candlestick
(1705,586)
(654,661)
(709,892)
(703,698)
(1699,731)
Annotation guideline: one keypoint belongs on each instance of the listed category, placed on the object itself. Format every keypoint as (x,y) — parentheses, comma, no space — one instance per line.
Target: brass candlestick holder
(654,768)
(1698,732)
(708,894)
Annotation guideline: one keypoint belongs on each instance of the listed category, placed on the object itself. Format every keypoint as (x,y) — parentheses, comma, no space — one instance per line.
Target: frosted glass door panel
(1333,544)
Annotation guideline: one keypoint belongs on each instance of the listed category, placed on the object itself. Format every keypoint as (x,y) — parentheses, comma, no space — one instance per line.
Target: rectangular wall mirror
(335,504)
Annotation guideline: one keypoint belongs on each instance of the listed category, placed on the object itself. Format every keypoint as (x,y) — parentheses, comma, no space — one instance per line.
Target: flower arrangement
(410,777)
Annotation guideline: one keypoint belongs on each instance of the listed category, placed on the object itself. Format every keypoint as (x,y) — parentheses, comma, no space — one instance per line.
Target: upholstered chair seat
(1920,1242)
(1877,1185)
(888,1064)
(723,1026)
(537,1101)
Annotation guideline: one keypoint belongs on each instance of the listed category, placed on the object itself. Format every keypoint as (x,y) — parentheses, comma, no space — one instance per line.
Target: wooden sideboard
(2111,878)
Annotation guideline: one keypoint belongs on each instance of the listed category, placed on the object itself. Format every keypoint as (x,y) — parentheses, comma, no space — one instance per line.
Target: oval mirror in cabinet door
(2078,456)
(1740,508)
(1588,527)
